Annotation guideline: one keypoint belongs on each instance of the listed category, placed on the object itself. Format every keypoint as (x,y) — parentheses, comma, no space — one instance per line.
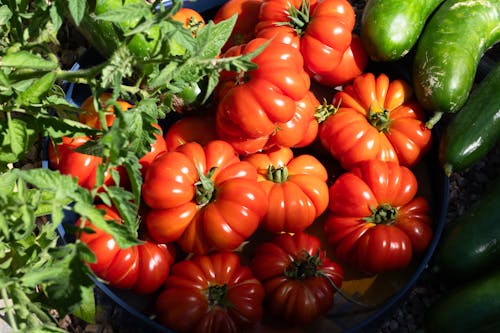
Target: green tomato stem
(9,310)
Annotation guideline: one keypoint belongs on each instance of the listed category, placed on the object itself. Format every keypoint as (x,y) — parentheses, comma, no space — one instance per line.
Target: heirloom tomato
(353,63)
(142,268)
(247,12)
(302,129)
(251,104)
(198,128)
(210,294)
(298,278)
(203,197)
(295,186)
(377,118)
(374,220)
(68,161)
(321,30)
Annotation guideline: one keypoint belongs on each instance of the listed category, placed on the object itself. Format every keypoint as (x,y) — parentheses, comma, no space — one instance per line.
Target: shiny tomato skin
(64,158)
(190,18)
(375,222)
(296,188)
(302,129)
(296,299)
(324,38)
(222,219)
(352,64)
(142,268)
(377,119)
(250,106)
(184,304)
(198,128)
(247,12)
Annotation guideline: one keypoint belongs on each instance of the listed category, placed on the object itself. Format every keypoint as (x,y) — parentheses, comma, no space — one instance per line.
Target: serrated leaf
(212,37)
(86,310)
(123,202)
(56,127)
(165,76)
(128,14)
(56,15)
(77,10)
(25,59)
(21,135)
(36,91)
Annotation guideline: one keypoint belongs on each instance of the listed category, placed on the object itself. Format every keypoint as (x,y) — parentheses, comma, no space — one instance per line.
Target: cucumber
(449,50)
(475,129)
(473,307)
(471,245)
(390,28)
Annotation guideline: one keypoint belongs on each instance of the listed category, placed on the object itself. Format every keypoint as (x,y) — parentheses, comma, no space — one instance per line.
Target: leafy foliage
(39,272)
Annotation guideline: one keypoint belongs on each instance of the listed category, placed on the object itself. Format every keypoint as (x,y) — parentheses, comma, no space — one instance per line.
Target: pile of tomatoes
(231,193)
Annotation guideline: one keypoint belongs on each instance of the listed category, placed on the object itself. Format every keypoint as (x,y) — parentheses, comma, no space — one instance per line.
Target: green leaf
(212,37)
(25,59)
(77,10)
(18,138)
(5,15)
(123,202)
(126,13)
(35,92)
(56,15)
(166,75)
(86,310)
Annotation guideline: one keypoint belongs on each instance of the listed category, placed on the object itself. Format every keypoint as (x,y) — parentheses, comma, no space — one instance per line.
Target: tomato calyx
(304,267)
(324,111)
(216,295)
(205,189)
(298,18)
(383,214)
(277,175)
(379,118)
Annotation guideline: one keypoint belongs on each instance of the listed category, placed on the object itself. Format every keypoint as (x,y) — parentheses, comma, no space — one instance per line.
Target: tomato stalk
(383,214)
(324,111)
(304,267)
(205,188)
(216,295)
(298,18)
(379,118)
(277,175)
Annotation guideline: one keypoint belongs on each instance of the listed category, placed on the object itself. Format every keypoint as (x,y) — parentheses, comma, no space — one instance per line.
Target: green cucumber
(475,129)
(473,307)
(471,245)
(449,50)
(390,28)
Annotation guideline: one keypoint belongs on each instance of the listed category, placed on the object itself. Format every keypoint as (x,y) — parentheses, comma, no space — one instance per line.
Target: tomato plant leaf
(36,91)
(86,310)
(129,14)
(27,60)
(77,9)
(211,38)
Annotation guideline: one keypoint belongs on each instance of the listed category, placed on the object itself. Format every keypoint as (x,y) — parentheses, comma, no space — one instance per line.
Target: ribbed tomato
(377,118)
(210,294)
(299,279)
(374,221)
(252,104)
(142,268)
(295,186)
(203,197)
(320,29)
(198,128)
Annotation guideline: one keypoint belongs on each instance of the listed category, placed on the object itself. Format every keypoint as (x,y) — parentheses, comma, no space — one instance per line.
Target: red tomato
(302,129)
(142,268)
(203,197)
(253,103)
(247,12)
(198,128)
(353,63)
(297,276)
(374,220)
(321,30)
(64,158)
(296,188)
(378,119)
(210,294)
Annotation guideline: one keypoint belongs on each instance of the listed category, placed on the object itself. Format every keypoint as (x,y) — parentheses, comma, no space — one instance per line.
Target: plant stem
(9,310)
